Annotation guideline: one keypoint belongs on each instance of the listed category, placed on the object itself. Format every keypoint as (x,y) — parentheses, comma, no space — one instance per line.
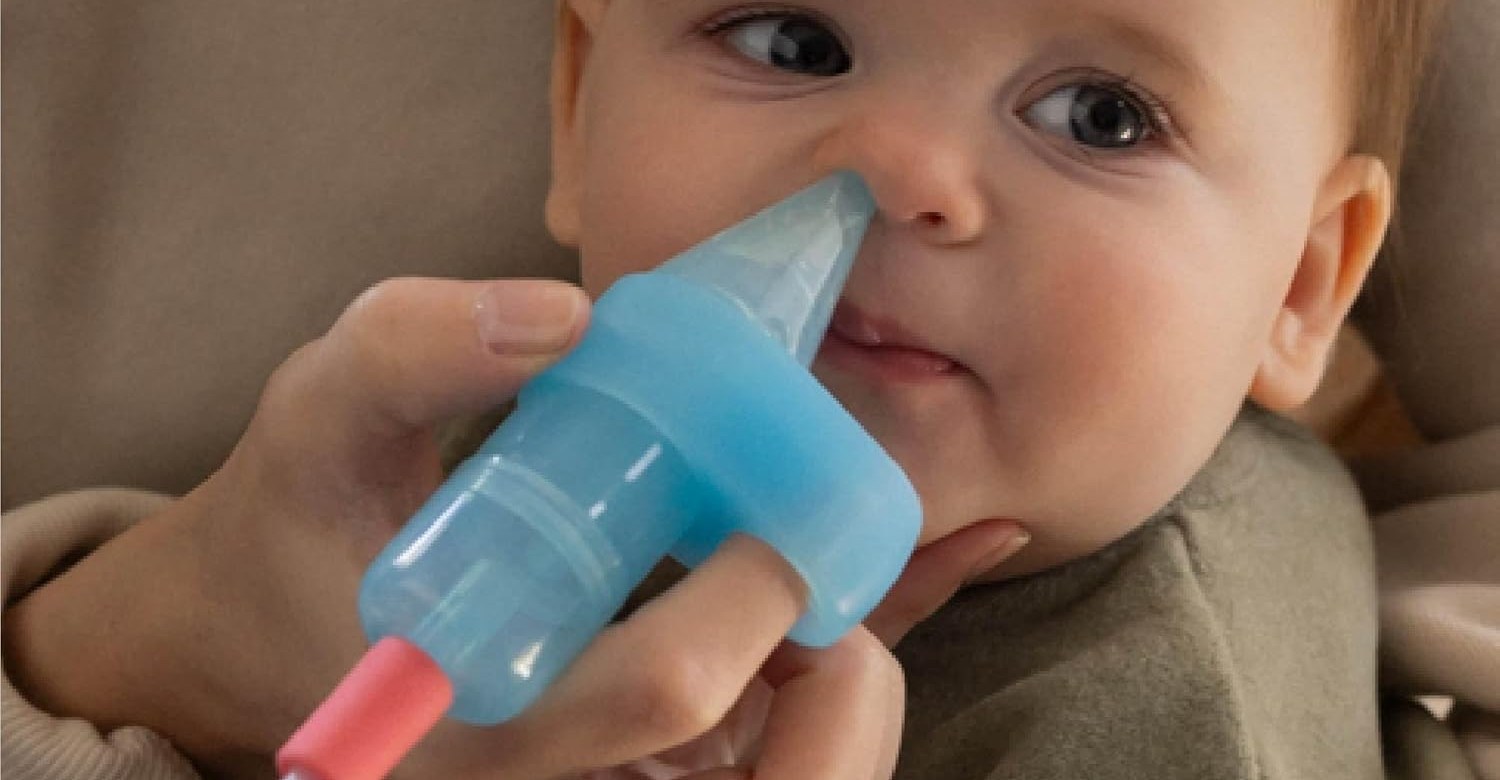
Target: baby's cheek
(1121,403)
(1085,515)
(1128,455)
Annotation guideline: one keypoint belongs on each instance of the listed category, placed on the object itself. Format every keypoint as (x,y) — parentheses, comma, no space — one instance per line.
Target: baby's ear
(577,24)
(1349,222)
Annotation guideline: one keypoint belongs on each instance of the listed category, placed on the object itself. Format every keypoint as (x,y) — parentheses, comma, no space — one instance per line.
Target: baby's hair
(1386,46)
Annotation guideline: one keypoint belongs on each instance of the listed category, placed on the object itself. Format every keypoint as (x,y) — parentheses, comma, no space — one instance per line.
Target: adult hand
(843,718)
(230,614)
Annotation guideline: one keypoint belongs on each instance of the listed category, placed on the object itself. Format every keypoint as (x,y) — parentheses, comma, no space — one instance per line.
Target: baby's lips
(893,340)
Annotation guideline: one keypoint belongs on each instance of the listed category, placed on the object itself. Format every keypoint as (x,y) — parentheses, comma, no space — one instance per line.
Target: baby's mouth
(881,346)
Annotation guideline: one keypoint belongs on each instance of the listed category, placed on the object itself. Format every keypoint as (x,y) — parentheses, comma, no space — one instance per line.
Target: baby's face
(1090,213)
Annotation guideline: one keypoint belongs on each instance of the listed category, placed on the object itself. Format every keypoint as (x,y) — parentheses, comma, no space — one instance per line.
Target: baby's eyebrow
(1169,52)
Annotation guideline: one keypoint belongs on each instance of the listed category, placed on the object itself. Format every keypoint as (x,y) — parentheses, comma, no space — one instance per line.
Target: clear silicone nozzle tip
(786,265)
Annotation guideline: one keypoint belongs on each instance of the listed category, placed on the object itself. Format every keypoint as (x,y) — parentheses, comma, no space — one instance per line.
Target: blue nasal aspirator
(685,414)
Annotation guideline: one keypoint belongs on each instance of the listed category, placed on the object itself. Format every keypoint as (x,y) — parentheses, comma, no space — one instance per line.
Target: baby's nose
(923,176)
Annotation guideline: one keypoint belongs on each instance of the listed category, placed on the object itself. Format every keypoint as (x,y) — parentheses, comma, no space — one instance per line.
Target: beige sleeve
(1433,315)
(37,539)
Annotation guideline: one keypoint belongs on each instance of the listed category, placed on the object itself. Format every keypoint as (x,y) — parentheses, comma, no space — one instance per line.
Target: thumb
(936,571)
(409,353)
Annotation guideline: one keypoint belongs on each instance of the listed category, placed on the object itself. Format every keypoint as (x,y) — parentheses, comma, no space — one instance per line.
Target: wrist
(128,635)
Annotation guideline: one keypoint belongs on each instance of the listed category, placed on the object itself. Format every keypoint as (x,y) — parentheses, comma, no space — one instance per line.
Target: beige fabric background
(1436,322)
(192,189)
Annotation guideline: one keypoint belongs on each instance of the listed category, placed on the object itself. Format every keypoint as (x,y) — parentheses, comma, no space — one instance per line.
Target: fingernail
(998,555)
(526,316)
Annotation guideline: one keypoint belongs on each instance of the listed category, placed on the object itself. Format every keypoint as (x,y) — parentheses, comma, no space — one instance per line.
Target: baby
(1102,226)
(1110,236)
(1107,231)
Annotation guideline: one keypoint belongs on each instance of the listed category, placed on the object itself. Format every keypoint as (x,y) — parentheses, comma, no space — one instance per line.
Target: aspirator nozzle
(786,265)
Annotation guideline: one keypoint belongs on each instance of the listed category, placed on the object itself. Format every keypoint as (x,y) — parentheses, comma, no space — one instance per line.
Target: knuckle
(865,659)
(375,314)
(370,331)
(678,697)
(287,377)
(286,388)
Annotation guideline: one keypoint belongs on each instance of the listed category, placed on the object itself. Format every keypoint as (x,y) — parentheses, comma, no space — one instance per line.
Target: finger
(412,352)
(895,725)
(673,669)
(936,571)
(832,710)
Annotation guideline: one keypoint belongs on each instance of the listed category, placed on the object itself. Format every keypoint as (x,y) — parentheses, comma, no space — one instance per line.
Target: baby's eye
(786,41)
(1095,115)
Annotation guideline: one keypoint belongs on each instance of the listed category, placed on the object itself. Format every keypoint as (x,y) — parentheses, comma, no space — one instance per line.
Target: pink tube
(381,709)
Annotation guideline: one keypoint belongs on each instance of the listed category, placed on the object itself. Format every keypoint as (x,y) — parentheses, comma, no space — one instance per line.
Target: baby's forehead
(1191,35)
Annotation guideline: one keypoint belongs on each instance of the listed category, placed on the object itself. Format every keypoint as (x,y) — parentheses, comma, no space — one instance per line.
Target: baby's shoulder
(1266,459)
(1272,501)
(1274,497)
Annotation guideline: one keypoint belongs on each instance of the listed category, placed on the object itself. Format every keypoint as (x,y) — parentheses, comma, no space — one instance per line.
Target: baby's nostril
(931,218)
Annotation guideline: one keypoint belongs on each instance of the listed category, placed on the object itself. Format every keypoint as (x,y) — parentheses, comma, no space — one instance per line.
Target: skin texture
(1111,309)
(1110,313)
